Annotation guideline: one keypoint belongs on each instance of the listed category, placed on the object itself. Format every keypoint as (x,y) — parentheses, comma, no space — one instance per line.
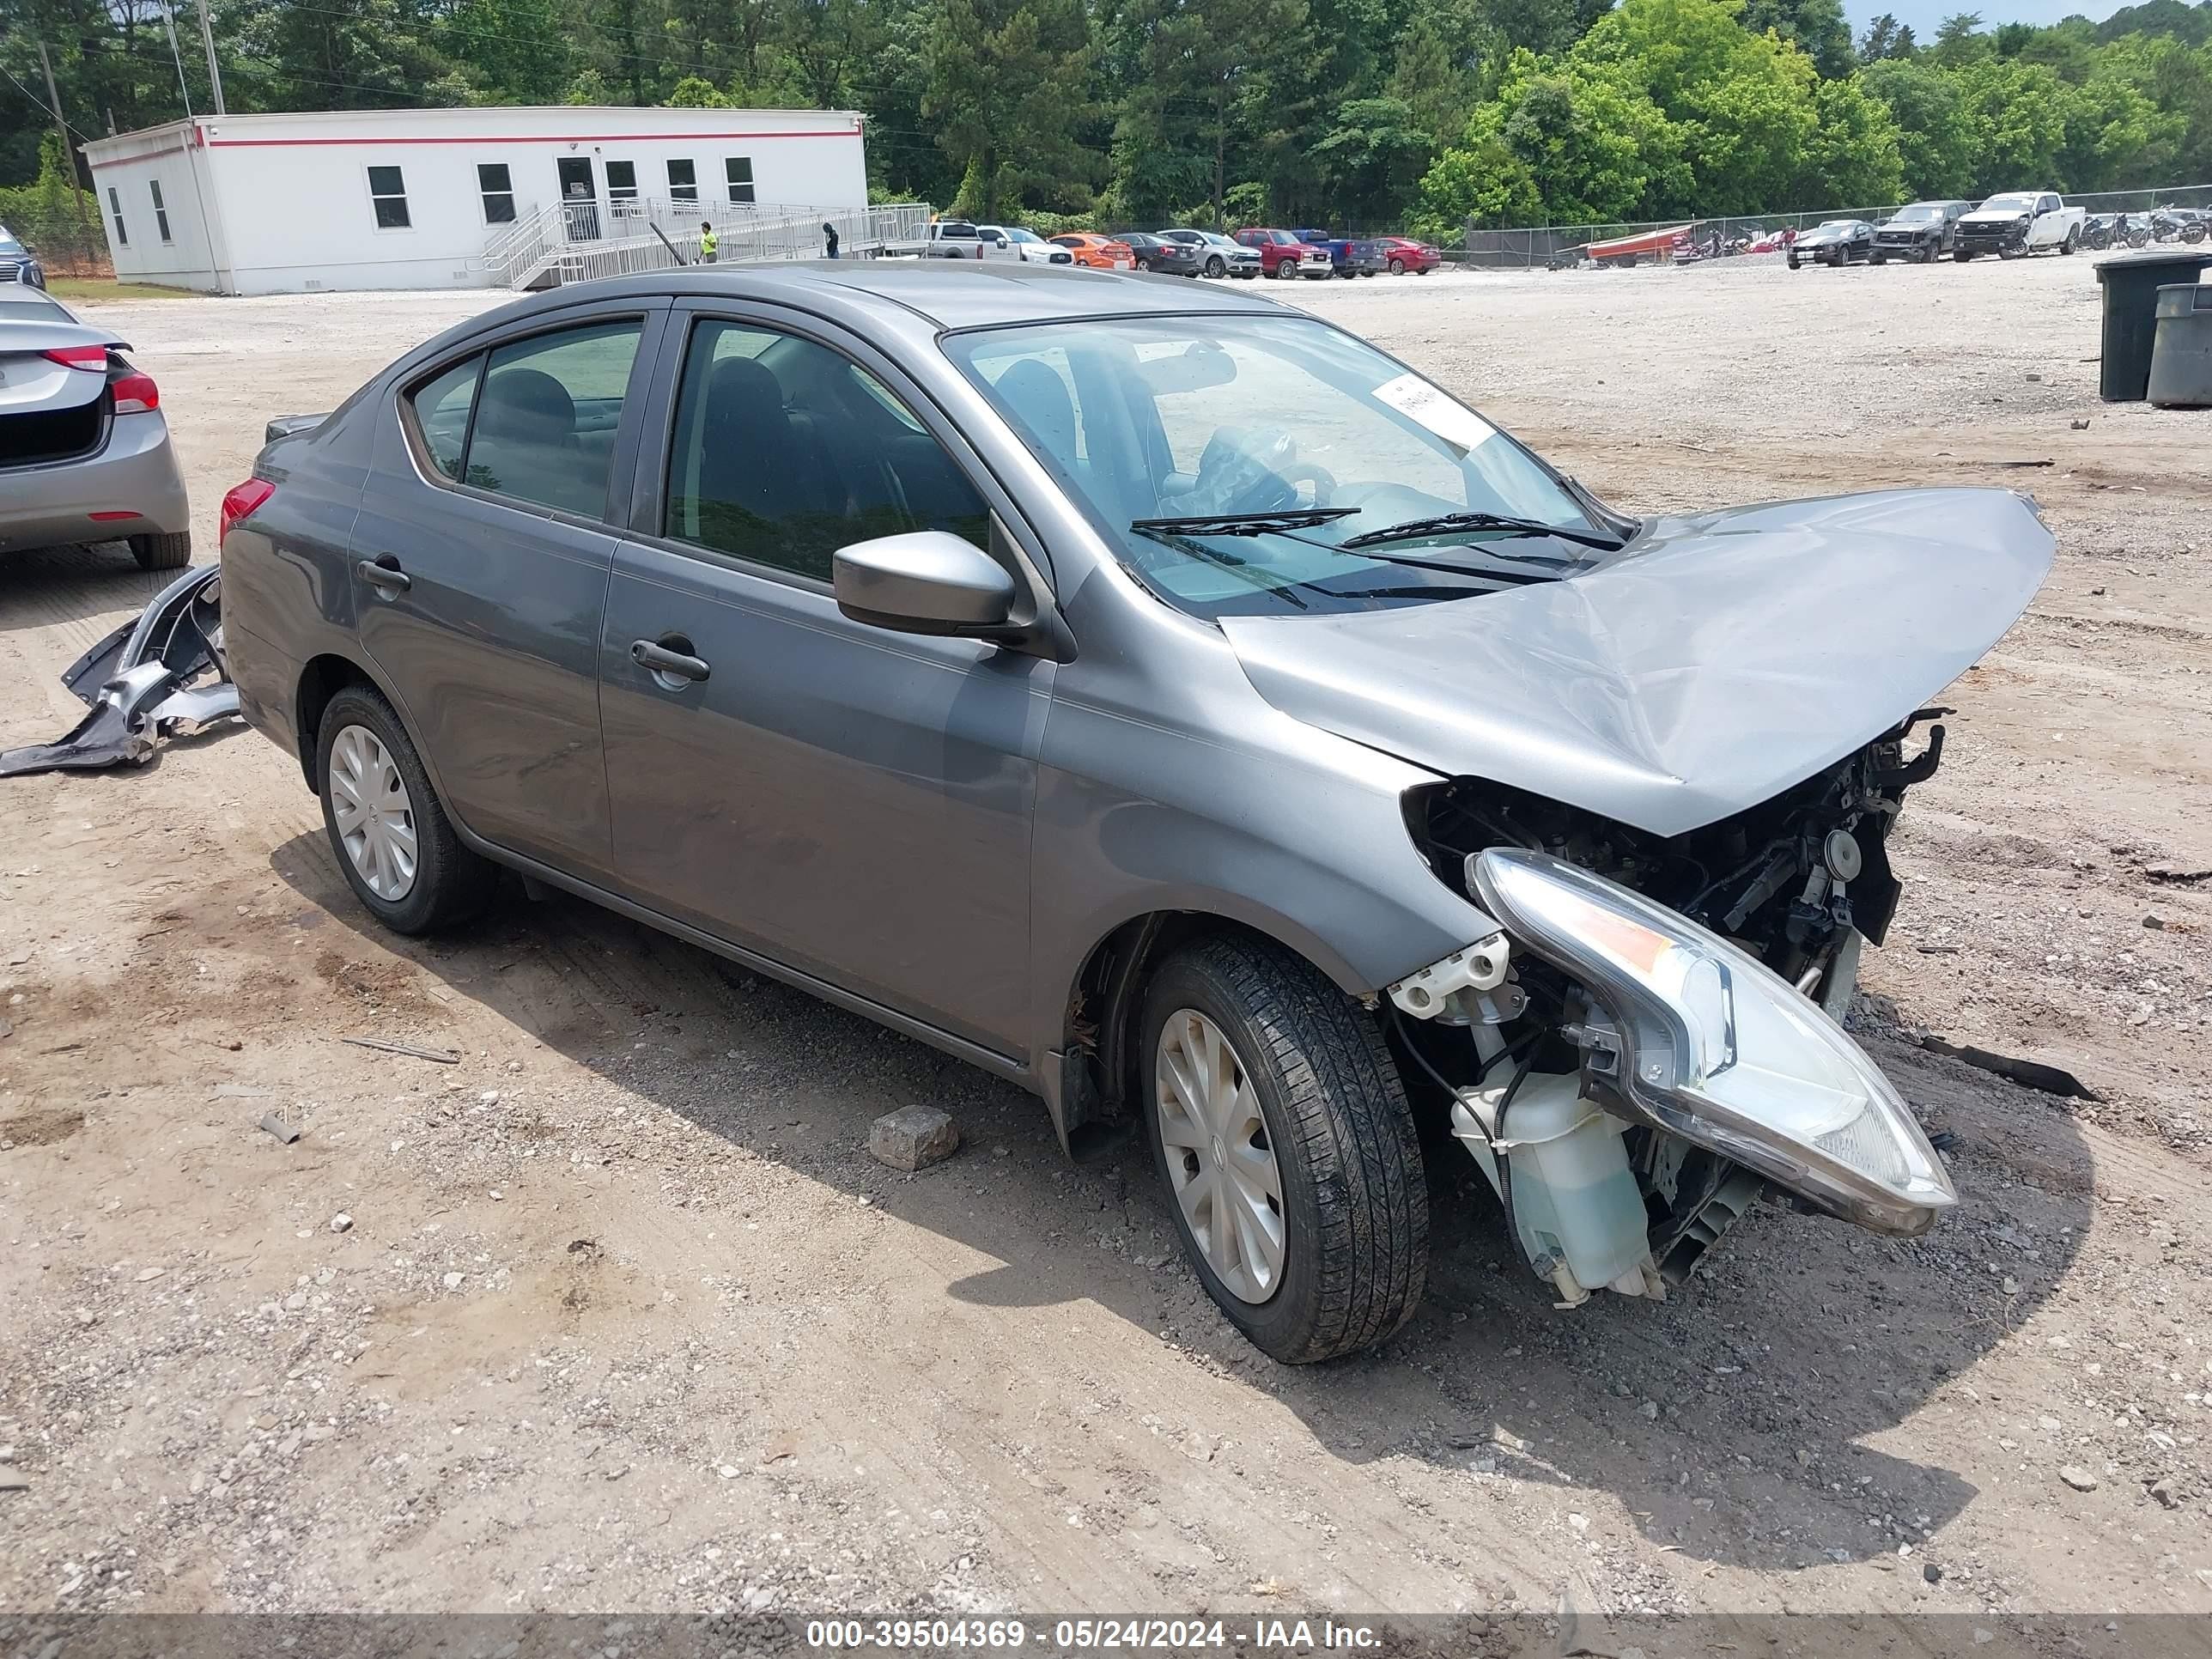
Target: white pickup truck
(955,239)
(2021,222)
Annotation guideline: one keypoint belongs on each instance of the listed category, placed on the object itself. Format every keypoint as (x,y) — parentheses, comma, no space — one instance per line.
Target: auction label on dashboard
(1085,1635)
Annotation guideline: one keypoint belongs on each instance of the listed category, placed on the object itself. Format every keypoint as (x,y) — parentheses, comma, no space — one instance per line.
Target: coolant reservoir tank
(1575,1199)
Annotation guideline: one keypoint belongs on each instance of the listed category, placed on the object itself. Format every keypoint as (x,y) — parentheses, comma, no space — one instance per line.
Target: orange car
(1099,252)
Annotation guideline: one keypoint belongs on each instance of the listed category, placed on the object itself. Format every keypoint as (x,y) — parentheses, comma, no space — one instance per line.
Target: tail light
(240,504)
(93,357)
(135,393)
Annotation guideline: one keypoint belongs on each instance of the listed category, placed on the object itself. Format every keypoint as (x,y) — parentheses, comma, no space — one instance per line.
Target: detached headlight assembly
(1718,1048)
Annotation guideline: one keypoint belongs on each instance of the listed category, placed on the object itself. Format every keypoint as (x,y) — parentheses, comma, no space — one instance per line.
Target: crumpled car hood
(1713,662)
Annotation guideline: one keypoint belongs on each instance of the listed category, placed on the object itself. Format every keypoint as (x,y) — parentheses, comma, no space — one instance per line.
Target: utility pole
(215,75)
(169,20)
(69,155)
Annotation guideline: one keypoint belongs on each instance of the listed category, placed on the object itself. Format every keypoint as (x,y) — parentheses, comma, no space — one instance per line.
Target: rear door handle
(383,574)
(667,664)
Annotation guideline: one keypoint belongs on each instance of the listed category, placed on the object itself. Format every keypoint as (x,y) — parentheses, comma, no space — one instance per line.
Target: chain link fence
(1538,247)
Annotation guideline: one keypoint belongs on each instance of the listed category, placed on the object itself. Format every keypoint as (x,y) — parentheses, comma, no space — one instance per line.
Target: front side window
(387,195)
(115,212)
(497,188)
(683,182)
(785,451)
(737,170)
(540,424)
(1146,421)
(161,213)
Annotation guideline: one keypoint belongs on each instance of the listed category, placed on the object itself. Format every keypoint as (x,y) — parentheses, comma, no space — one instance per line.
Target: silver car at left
(84,451)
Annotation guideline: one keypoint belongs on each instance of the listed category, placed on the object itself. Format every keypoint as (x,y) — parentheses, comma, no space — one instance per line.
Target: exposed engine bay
(1601,1190)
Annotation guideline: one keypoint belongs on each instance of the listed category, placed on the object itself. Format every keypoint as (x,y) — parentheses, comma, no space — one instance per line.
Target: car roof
(946,292)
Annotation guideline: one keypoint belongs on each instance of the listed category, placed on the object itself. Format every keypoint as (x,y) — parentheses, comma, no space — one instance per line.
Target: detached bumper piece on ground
(143,681)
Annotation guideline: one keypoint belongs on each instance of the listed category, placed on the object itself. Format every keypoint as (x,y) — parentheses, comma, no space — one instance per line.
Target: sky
(1925,15)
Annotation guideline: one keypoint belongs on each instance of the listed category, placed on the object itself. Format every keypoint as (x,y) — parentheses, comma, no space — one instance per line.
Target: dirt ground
(625,1316)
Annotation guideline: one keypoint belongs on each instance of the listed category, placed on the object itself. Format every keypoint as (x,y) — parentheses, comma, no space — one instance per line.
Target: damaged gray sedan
(1166,701)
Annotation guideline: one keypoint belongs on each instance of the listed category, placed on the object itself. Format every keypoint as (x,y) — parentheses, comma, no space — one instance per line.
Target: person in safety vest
(707,242)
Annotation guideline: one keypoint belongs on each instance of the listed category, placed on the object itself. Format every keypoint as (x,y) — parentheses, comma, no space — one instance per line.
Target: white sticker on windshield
(1462,429)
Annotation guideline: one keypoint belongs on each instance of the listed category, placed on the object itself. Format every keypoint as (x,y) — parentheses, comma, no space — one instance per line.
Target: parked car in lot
(84,451)
(1169,702)
(1833,242)
(2022,223)
(1219,255)
(953,239)
(1402,253)
(17,265)
(1160,255)
(1096,253)
(1283,254)
(1922,233)
(1026,245)
(1350,257)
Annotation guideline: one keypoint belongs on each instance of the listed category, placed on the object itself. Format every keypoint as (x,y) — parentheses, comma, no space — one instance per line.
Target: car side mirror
(926,581)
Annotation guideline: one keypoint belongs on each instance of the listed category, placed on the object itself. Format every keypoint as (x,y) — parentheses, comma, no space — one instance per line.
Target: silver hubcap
(375,818)
(1220,1160)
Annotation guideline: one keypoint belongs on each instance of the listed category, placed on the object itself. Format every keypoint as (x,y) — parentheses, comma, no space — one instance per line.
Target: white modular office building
(450,198)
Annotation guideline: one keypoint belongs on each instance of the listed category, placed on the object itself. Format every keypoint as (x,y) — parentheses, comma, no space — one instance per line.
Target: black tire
(1794,264)
(1927,254)
(1215,266)
(1397,267)
(2072,240)
(1877,259)
(1962,255)
(156,552)
(452,884)
(1354,1198)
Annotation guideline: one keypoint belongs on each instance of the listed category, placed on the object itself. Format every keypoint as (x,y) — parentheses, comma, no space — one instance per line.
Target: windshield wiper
(1243,524)
(1412,529)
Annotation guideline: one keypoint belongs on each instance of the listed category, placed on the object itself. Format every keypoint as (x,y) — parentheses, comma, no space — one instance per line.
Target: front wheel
(395,846)
(1793,262)
(1216,267)
(1963,254)
(1281,1129)
(2013,251)
(1877,259)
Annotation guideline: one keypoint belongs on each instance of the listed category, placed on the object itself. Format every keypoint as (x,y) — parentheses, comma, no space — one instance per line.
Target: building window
(115,206)
(498,191)
(161,213)
(387,194)
(622,181)
(740,171)
(683,182)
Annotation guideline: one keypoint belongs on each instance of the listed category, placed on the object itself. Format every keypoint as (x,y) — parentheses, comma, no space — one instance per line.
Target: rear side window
(441,414)
(538,423)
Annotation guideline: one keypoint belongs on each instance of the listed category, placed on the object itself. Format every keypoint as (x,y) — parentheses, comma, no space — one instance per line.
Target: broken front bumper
(163,670)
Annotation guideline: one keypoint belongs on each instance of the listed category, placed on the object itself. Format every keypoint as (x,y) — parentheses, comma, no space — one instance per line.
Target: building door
(580,198)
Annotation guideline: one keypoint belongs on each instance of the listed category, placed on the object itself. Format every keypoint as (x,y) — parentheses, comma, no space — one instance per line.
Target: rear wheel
(162,552)
(1280,1126)
(2072,240)
(395,846)
(1877,259)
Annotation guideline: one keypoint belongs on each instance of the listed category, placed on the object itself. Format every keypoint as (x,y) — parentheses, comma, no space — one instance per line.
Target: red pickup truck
(1282,254)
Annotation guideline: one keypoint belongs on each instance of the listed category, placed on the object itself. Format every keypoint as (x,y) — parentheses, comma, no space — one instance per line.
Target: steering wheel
(1277,492)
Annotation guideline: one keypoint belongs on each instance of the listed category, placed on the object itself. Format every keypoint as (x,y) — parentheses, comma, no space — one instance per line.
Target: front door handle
(665,664)
(383,574)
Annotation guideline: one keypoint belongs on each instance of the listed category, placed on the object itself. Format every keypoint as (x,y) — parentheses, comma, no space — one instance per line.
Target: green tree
(1854,156)
(1886,37)
(1371,159)
(1817,27)
(1005,86)
(1935,136)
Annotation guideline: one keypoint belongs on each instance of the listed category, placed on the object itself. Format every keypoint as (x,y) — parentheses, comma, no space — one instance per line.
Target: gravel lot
(624,1316)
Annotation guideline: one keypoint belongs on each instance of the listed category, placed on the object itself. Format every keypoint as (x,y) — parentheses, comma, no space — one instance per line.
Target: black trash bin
(2132,285)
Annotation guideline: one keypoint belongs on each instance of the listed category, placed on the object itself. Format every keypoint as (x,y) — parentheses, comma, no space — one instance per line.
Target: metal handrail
(599,237)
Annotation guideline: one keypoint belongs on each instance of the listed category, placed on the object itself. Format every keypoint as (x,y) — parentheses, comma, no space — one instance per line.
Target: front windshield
(1919,211)
(2016,204)
(1171,418)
